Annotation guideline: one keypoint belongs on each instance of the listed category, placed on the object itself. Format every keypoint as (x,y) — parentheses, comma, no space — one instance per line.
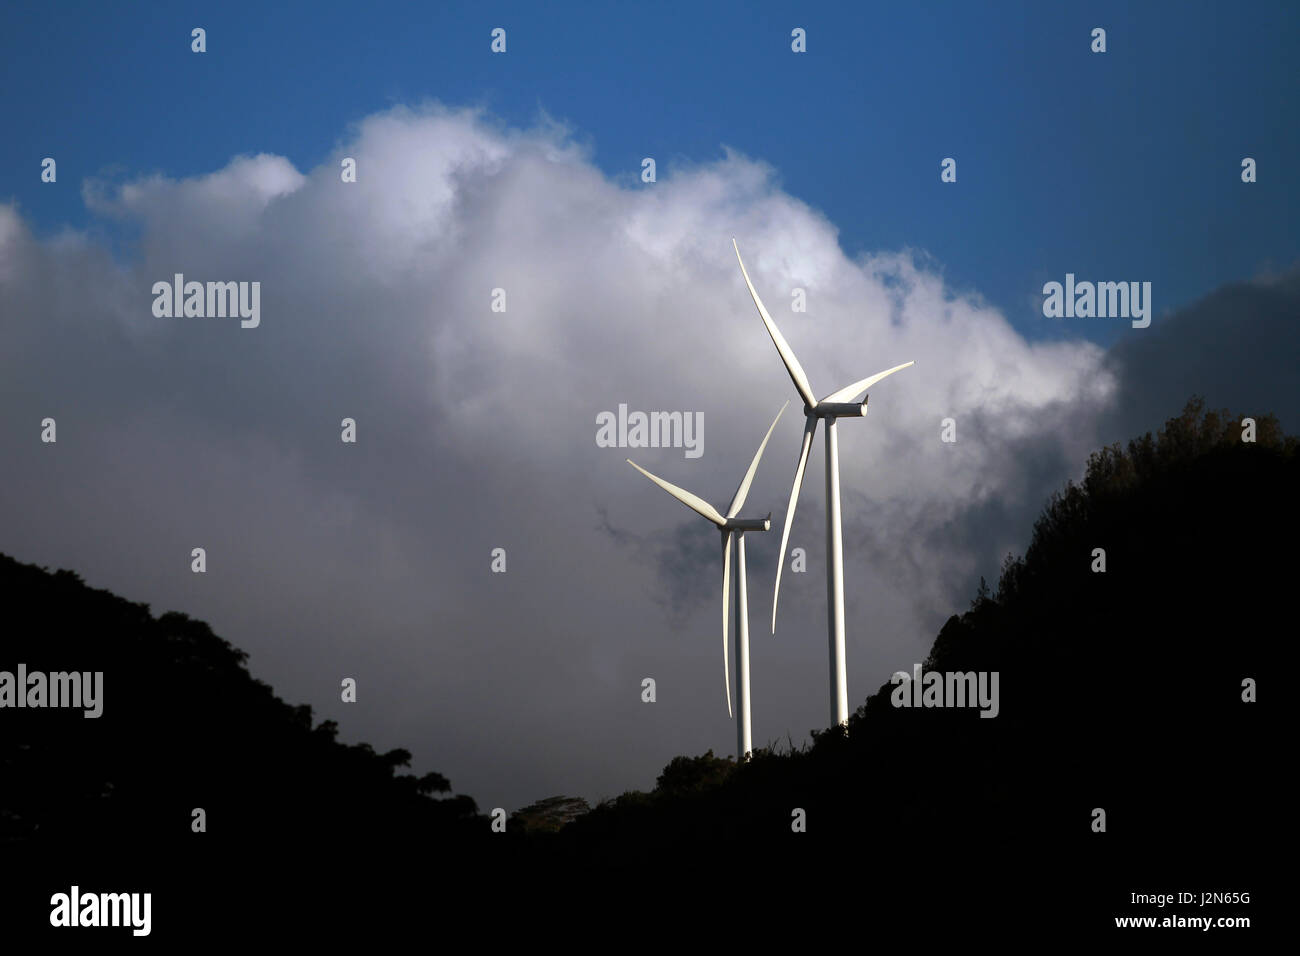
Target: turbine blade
(694,502)
(726,595)
(809,429)
(857,388)
(738,500)
(782,346)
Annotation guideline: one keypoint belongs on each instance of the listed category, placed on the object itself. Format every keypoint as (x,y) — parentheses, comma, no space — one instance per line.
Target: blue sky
(1116,166)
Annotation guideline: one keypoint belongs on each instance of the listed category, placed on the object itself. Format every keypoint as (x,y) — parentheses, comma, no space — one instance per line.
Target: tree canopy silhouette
(1120,689)
(184,725)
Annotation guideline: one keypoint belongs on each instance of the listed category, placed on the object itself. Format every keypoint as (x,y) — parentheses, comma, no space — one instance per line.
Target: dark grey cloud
(1239,348)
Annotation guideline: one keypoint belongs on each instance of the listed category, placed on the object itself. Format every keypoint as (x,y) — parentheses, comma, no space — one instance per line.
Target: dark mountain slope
(1119,690)
(107,802)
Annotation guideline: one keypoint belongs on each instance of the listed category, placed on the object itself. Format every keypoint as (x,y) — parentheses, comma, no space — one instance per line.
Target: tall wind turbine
(731,527)
(834,406)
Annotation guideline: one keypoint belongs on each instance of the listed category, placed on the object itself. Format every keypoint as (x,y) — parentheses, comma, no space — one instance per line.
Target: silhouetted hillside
(184,725)
(1119,690)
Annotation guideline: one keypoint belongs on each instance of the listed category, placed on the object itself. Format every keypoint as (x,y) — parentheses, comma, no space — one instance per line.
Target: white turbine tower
(731,527)
(833,406)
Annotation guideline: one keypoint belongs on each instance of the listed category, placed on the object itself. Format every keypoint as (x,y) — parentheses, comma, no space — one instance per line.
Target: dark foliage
(184,726)
(1119,690)
(549,815)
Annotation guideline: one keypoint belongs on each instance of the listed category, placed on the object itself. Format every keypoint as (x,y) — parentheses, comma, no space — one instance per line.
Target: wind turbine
(834,406)
(731,527)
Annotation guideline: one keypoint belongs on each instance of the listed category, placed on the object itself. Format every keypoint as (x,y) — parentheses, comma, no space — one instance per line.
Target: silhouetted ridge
(1119,690)
(184,725)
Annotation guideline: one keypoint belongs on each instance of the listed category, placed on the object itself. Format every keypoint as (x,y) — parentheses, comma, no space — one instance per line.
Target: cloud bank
(476,430)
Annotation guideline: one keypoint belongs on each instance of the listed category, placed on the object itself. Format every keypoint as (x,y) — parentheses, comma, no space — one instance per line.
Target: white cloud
(477,430)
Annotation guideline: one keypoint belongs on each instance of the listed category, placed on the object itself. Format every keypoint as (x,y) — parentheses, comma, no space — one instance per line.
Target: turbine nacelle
(748,524)
(837,409)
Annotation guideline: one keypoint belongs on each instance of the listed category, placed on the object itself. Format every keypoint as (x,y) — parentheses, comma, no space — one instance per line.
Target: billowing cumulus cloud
(477,430)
